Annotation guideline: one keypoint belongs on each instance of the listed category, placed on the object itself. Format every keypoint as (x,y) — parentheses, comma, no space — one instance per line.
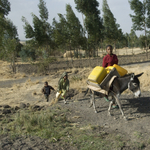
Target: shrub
(27,54)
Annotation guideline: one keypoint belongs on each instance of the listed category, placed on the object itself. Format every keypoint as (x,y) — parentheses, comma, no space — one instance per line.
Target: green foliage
(60,32)
(4,8)
(43,10)
(27,54)
(41,32)
(133,39)
(75,30)
(92,22)
(87,6)
(142,40)
(43,65)
(112,33)
(141,17)
(9,42)
(28,29)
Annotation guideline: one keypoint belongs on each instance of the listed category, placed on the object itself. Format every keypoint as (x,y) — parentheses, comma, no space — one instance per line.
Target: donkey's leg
(110,105)
(93,99)
(119,104)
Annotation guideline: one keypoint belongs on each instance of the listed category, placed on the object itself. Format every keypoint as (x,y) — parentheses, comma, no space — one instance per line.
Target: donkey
(119,85)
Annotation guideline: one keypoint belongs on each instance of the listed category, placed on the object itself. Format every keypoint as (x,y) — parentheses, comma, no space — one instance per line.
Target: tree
(9,41)
(112,33)
(133,38)
(141,19)
(10,44)
(60,32)
(4,10)
(142,39)
(75,30)
(41,31)
(92,22)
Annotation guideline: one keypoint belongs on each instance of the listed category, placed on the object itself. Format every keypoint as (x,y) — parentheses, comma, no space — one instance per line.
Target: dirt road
(136,110)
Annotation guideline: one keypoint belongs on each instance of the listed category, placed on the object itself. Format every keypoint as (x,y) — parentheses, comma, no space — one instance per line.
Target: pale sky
(120,9)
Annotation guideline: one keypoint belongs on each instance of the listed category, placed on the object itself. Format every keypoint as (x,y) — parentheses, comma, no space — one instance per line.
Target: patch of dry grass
(144,79)
(30,91)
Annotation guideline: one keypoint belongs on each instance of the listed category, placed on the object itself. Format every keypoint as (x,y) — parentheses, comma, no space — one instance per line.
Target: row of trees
(9,42)
(68,33)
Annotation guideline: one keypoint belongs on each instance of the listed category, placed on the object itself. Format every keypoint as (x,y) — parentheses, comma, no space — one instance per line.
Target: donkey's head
(134,84)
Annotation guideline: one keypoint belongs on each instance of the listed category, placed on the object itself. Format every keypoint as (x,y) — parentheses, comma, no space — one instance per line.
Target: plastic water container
(120,70)
(108,69)
(97,75)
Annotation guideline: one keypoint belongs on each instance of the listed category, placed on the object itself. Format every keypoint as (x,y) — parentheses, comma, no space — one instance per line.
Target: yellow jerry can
(120,70)
(108,69)
(97,75)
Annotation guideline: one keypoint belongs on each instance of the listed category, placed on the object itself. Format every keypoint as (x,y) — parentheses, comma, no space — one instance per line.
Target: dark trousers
(46,97)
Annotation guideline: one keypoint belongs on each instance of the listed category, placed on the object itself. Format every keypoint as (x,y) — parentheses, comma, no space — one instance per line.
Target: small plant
(142,146)
(76,78)
(137,134)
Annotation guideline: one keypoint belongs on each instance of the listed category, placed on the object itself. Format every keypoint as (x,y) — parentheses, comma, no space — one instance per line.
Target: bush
(27,54)
(43,65)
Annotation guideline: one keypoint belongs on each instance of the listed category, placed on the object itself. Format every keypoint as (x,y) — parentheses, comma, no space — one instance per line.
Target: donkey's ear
(132,76)
(138,75)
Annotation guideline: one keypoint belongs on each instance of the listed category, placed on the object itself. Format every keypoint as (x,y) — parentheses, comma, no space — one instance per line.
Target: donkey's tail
(86,91)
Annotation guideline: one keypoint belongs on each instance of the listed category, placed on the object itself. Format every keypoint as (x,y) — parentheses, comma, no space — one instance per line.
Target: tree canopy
(112,33)
(92,22)
(41,30)
(4,8)
(141,17)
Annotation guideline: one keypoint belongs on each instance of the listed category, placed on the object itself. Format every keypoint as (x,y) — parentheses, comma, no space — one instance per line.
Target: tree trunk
(146,42)
(13,65)
(115,46)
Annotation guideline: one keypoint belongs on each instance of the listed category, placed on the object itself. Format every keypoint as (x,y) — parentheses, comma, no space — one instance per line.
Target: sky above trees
(19,8)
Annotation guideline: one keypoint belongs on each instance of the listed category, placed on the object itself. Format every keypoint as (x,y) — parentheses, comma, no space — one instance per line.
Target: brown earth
(81,63)
(27,89)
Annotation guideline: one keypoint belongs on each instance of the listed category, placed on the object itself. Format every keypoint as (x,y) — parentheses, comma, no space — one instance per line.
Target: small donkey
(119,85)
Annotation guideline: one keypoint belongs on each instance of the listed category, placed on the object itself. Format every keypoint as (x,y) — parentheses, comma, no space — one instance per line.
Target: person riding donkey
(109,60)
(46,90)
(63,87)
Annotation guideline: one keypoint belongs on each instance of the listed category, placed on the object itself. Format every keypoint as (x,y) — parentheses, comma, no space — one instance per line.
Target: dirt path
(136,110)
(133,130)
(14,92)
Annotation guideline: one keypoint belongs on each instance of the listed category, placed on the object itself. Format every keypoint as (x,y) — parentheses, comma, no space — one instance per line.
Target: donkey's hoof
(109,114)
(65,102)
(126,119)
(95,111)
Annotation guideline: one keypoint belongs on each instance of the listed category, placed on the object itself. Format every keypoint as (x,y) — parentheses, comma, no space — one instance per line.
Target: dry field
(99,128)
(123,51)
(102,52)
(129,51)
(20,88)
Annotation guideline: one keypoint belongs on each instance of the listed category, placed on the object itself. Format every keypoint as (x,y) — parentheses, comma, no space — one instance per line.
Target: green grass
(44,124)
(54,125)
